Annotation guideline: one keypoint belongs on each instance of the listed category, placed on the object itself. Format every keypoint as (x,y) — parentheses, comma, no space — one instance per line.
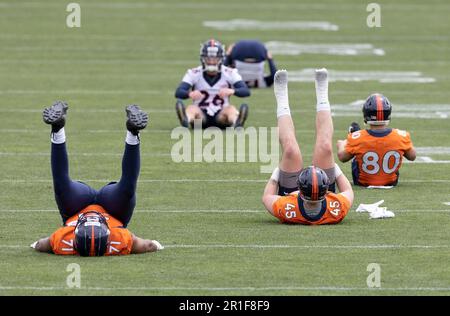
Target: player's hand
(196,95)
(225,92)
(269,55)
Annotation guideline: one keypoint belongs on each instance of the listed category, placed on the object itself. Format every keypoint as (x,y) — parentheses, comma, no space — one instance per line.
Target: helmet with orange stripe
(212,53)
(377,110)
(91,234)
(313,184)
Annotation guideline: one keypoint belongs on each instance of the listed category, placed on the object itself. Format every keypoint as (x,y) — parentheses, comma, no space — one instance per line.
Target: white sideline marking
(307,75)
(249,246)
(243,211)
(245,24)
(426,111)
(290,48)
(198,180)
(433,150)
(82,91)
(217,289)
(427,160)
(150,211)
(446,203)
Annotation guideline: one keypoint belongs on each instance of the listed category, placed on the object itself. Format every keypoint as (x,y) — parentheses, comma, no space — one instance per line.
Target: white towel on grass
(375,211)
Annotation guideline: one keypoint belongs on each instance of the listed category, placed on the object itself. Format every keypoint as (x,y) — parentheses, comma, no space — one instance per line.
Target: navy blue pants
(117,198)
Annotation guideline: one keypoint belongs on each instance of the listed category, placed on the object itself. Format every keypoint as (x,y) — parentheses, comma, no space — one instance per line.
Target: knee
(326,148)
(291,150)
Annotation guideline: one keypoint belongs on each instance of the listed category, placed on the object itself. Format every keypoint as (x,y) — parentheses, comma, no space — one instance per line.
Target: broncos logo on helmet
(313,184)
(91,234)
(212,53)
(377,110)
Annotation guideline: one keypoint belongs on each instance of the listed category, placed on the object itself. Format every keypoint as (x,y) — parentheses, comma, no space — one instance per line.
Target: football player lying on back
(295,194)
(95,221)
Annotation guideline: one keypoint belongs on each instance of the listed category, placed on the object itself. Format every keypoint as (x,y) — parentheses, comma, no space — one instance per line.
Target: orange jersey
(120,240)
(290,209)
(378,155)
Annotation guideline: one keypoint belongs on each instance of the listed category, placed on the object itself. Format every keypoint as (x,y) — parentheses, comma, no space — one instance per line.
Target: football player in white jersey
(249,58)
(210,87)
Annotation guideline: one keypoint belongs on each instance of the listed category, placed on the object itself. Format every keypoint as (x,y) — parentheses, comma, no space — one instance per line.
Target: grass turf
(137,52)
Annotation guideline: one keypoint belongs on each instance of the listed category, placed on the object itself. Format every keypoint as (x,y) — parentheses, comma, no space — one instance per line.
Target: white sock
(59,137)
(323,104)
(280,89)
(132,139)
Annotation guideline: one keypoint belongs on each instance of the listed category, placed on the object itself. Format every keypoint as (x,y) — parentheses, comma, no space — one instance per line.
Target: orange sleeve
(345,204)
(61,241)
(352,144)
(121,242)
(277,207)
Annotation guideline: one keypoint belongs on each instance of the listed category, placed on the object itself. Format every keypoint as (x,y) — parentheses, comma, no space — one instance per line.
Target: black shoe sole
(243,114)
(55,115)
(137,119)
(181,113)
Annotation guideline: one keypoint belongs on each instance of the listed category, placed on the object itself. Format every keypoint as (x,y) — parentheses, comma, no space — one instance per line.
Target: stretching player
(377,151)
(249,58)
(95,221)
(210,87)
(295,194)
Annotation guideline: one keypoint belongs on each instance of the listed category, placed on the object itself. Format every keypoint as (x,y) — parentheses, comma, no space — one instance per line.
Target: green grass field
(219,239)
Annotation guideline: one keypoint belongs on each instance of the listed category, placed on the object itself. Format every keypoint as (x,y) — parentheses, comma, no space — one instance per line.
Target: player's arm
(141,245)
(183,90)
(342,154)
(43,245)
(344,185)
(410,154)
(270,191)
(273,69)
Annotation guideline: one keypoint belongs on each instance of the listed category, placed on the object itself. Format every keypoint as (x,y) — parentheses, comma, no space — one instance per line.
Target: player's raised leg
(71,196)
(291,160)
(323,150)
(120,198)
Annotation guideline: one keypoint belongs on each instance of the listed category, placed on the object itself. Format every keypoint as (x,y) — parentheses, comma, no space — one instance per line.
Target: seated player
(295,194)
(249,58)
(377,151)
(210,87)
(95,221)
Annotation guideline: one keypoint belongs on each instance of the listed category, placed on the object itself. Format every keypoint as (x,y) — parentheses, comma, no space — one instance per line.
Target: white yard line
(223,211)
(227,289)
(197,180)
(307,75)
(256,246)
(290,48)
(247,24)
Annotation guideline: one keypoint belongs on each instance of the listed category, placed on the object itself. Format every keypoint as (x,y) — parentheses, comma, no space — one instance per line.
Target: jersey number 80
(371,163)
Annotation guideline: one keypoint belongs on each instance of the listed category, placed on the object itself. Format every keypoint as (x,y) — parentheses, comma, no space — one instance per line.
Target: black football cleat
(242,117)
(56,115)
(181,113)
(137,119)
(353,127)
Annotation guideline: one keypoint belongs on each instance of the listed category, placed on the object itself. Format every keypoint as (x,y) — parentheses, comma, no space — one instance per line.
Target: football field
(218,238)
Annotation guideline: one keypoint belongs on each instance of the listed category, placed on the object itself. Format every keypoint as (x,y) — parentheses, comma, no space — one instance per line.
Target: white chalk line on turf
(232,289)
(255,246)
(195,180)
(232,211)
(223,211)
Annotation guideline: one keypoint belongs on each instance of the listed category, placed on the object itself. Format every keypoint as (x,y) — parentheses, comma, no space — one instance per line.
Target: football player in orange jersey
(95,221)
(295,194)
(377,151)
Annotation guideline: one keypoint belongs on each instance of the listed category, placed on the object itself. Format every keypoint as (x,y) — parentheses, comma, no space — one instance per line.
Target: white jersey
(252,73)
(211,102)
